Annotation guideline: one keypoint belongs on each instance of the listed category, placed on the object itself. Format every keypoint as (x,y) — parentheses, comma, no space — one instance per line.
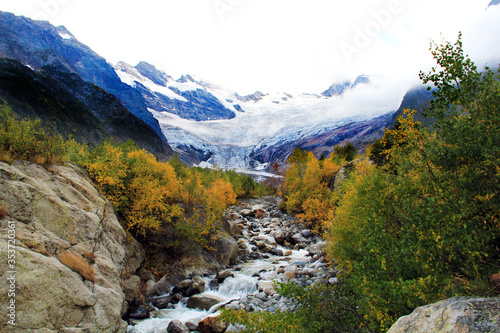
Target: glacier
(260,120)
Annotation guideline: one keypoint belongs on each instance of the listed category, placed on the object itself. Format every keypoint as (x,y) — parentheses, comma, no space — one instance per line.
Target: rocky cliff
(72,257)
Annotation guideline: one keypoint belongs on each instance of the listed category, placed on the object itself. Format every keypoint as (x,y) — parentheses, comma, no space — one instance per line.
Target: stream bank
(272,247)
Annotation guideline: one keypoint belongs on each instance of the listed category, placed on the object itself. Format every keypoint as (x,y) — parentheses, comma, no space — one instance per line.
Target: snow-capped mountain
(205,123)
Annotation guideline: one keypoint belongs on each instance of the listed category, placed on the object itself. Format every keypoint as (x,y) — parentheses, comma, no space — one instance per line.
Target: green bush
(28,139)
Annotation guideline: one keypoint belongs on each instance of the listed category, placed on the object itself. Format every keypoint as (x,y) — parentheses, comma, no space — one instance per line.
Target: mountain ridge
(201,121)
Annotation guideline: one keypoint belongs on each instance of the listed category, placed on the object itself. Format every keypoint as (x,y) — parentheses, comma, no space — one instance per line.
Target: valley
(142,203)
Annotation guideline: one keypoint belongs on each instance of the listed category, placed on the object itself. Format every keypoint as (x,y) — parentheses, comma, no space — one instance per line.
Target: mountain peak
(186,78)
(151,72)
(338,89)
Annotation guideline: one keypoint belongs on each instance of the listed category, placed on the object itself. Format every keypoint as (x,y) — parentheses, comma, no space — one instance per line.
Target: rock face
(72,255)
(458,314)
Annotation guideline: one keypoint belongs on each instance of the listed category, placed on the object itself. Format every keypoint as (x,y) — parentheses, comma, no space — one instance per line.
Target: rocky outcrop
(458,314)
(73,258)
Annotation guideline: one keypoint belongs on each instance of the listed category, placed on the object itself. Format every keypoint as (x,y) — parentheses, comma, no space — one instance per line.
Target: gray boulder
(279,235)
(73,257)
(222,275)
(298,238)
(318,248)
(458,314)
(203,302)
(176,326)
(225,250)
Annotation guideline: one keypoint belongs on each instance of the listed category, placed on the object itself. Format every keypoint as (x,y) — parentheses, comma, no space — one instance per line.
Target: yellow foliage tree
(307,189)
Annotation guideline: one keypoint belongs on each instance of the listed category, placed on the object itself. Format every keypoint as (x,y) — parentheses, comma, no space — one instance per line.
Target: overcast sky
(274,45)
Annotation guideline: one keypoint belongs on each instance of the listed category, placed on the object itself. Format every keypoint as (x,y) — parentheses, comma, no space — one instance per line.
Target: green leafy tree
(346,153)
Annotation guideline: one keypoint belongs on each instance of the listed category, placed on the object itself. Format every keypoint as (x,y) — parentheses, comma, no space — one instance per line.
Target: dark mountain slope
(73,107)
(418,99)
(39,44)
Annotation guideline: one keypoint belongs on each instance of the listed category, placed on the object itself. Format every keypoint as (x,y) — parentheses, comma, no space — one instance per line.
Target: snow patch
(131,76)
(65,35)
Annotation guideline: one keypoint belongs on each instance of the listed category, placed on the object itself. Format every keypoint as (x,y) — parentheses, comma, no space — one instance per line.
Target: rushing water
(239,286)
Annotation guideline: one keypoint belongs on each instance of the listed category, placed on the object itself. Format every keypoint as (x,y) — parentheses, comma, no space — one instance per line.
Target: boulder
(458,314)
(190,287)
(266,287)
(212,324)
(161,302)
(162,287)
(269,275)
(235,229)
(246,213)
(176,326)
(276,252)
(278,235)
(142,312)
(72,255)
(307,233)
(298,238)
(224,250)
(291,268)
(203,302)
(259,213)
(318,248)
(197,286)
(222,275)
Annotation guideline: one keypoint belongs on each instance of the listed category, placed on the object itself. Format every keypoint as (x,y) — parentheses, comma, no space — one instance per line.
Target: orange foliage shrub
(78,264)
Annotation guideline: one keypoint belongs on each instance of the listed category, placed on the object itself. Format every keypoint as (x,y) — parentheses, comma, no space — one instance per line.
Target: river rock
(212,324)
(318,248)
(142,312)
(235,229)
(291,268)
(161,302)
(306,233)
(71,251)
(176,326)
(269,275)
(278,235)
(458,314)
(222,275)
(203,302)
(298,238)
(192,326)
(266,287)
(246,213)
